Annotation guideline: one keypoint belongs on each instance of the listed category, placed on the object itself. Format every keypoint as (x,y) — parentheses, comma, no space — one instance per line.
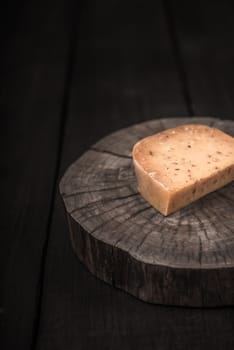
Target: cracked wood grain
(186,258)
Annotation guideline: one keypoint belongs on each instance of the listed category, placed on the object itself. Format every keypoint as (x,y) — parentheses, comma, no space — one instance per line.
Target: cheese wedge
(180,165)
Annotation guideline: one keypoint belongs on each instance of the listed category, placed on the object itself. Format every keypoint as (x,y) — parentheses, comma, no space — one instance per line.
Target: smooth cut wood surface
(183,259)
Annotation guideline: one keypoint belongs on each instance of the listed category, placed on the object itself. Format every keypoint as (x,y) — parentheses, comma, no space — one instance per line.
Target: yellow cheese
(179,165)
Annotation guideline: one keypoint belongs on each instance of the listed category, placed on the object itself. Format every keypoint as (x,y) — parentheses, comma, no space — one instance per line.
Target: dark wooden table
(72,72)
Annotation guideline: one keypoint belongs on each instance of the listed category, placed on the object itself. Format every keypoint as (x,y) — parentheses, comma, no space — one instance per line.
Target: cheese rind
(180,165)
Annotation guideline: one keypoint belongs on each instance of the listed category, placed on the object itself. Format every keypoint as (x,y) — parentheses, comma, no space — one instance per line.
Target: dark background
(72,72)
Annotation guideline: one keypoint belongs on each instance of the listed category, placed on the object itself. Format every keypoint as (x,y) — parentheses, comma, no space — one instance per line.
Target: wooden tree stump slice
(184,259)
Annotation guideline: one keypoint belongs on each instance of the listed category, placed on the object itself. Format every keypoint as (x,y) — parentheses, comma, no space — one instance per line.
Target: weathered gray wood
(186,258)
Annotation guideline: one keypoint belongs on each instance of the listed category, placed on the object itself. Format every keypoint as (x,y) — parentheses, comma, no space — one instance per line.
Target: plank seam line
(70,62)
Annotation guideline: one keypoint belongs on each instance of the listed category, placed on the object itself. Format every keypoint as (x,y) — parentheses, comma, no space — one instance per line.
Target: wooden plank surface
(204,36)
(134,61)
(111,90)
(112,86)
(34,62)
(125,71)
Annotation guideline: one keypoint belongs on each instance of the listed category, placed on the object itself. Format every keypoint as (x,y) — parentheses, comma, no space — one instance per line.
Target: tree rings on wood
(184,259)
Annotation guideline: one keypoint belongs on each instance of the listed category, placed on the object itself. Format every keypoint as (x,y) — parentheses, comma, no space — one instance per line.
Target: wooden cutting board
(184,259)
